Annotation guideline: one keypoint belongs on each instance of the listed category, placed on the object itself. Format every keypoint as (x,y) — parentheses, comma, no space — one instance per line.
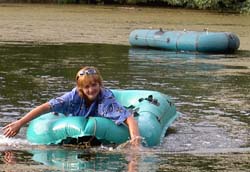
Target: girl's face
(91,90)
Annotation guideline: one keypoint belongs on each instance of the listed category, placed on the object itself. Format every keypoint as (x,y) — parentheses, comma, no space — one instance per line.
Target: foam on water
(13,143)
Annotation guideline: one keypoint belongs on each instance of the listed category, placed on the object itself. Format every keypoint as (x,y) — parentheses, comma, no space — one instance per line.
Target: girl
(88,98)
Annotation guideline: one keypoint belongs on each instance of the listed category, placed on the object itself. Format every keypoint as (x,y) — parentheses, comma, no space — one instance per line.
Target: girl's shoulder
(72,95)
(106,93)
(73,92)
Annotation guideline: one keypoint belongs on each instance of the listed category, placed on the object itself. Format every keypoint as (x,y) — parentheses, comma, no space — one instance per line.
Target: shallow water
(212,132)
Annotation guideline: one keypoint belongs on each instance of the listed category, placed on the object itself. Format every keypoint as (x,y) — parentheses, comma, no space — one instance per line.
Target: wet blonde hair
(85,79)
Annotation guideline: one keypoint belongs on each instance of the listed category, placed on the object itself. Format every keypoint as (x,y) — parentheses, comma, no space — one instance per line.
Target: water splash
(12,143)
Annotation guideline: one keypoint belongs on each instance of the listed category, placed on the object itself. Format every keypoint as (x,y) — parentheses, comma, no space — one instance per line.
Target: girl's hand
(134,131)
(136,141)
(12,129)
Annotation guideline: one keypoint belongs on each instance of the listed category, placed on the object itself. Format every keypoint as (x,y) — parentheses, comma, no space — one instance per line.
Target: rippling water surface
(210,92)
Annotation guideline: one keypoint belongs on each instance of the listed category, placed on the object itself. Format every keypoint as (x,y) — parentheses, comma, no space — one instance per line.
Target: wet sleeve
(121,112)
(113,110)
(61,104)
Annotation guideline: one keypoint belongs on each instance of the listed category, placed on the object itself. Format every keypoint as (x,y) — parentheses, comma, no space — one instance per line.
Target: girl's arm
(133,130)
(13,128)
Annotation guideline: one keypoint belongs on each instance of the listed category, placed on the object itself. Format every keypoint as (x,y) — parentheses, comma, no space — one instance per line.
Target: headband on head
(89,71)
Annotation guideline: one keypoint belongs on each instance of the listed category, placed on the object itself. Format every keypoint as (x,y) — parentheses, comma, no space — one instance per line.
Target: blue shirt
(105,105)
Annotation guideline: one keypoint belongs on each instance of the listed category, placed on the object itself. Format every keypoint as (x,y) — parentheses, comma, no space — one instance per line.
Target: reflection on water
(160,54)
(71,159)
(75,160)
(58,159)
(214,107)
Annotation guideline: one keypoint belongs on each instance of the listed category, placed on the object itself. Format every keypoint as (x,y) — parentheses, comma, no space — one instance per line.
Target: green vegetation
(221,5)
(242,6)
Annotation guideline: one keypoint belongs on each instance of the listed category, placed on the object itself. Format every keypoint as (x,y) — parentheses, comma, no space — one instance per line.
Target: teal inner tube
(155,112)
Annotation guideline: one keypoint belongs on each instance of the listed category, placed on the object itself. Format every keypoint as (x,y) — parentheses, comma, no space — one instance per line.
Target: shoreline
(53,23)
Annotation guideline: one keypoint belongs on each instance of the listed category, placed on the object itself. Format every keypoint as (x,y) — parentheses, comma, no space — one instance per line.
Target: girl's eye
(94,84)
(86,87)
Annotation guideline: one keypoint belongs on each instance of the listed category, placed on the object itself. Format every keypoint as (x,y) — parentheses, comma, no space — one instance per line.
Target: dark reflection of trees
(179,75)
(191,162)
(35,72)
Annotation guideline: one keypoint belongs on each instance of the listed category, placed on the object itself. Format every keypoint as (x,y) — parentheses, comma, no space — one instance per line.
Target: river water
(211,93)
